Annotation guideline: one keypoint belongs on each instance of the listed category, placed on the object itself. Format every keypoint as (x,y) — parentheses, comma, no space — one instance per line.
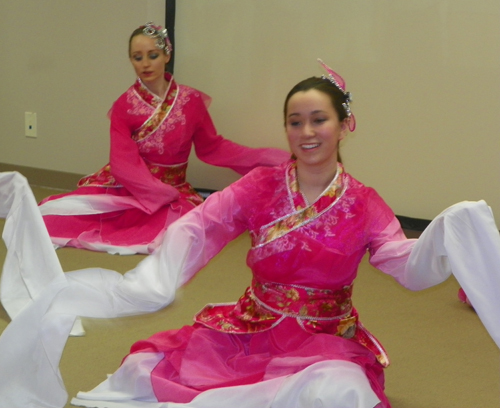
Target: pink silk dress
(126,205)
(298,309)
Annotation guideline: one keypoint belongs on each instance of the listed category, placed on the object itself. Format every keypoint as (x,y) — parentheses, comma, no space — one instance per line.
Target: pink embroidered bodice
(328,242)
(151,135)
(309,253)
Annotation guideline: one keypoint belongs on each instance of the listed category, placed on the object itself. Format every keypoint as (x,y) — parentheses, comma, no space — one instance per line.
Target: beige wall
(67,61)
(424,75)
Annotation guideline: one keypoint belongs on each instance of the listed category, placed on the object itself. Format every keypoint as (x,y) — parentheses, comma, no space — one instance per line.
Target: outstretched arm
(187,247)
(213,149)
(390,250)
(464,241)
(39,331)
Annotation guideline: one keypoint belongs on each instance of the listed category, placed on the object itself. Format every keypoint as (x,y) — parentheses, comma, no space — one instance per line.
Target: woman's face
(148,61)
(313,128)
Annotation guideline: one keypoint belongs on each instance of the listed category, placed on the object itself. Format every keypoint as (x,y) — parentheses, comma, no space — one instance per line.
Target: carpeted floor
(441,355)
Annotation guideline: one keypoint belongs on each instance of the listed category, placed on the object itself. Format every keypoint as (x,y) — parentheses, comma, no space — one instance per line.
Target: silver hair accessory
(339,82)
(161,35)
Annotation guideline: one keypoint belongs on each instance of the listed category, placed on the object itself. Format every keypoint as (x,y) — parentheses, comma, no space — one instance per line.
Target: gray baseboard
(45,178)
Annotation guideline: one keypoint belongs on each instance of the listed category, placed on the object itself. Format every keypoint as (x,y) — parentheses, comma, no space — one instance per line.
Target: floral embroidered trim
(370,342)
(145,95)
(175,175)
(296,315)
(264,306)
(302,216)
(162,109)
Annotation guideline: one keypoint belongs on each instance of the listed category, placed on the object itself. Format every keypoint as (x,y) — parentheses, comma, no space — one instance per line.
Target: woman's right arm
(128,167)
(188,245)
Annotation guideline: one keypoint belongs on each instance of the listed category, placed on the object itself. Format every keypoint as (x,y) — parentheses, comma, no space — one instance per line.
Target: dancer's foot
(463,297)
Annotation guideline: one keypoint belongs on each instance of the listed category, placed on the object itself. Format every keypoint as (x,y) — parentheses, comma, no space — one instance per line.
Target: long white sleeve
(31,279)
(464,241)
(50,300)
(31,262)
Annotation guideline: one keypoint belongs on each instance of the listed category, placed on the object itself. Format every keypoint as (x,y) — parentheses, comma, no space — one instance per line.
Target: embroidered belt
(265,305)
(175,175)
(302,302)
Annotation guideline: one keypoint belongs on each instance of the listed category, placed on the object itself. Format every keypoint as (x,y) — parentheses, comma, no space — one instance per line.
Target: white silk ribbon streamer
(31,263)
(44,302)
(463,240)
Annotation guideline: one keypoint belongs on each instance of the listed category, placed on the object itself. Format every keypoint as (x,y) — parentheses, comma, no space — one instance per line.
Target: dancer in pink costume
(126,206)
(311,224)
(295,327)
(294,338)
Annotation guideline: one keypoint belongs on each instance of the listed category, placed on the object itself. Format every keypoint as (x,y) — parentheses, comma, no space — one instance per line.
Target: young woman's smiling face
(313,128)
(148,61)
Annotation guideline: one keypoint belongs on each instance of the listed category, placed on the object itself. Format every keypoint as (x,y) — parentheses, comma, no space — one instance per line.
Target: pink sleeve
(129,169)
(217,151)
(390,250)
(199,235)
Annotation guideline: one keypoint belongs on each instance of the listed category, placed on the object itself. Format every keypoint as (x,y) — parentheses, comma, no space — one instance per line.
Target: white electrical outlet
(30,124)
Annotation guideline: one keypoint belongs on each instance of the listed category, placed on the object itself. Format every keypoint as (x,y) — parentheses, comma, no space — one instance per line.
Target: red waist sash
(174,175)
(264,305)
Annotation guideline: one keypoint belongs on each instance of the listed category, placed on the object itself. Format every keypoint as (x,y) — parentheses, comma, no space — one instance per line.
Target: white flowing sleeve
(31,263)
(31,346)
(390,250)
(464,241)
(187,247)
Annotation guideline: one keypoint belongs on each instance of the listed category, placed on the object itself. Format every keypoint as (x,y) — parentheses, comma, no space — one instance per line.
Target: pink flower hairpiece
(339,82)
(161,35)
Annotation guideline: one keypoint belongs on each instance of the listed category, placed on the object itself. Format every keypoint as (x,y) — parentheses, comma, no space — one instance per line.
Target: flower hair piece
(339,82)
(161,35)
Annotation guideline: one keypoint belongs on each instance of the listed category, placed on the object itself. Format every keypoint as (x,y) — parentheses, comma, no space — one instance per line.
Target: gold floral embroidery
(292,294)
(294,186)
(302,215)
(304,311)
(174,175)
(158,116)
(327,308)
(345,327)
(316,310)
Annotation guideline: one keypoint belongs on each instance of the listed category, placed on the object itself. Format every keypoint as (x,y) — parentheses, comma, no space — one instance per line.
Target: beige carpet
(442,357)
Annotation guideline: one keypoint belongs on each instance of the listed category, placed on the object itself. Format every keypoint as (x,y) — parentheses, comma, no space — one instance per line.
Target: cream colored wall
(67,61)
(424,75)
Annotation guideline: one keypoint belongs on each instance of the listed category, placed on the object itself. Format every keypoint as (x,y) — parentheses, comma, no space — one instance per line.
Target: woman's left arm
(390,250)
(464,241)
(213,149)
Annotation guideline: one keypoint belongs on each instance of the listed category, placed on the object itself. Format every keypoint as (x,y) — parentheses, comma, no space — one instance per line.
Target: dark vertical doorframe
(170,26)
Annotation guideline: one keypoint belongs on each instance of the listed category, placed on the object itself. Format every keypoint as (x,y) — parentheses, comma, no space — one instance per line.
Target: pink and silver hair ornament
(339,82)
(161,36)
